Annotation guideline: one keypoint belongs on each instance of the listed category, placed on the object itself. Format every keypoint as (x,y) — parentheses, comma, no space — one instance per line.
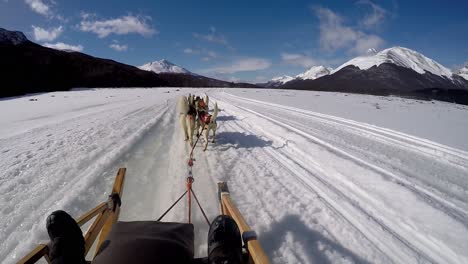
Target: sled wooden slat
(256,252)
(35,255)
(117,188)
(95,229)
(105,218)
(91,214)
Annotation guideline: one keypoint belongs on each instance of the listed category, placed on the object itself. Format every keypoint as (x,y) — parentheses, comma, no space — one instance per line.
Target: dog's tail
(206,99)
(215,113)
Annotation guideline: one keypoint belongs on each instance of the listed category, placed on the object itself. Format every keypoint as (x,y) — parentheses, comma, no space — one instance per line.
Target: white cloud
(63,46)
(298,59)
(376,17)
(212,54)
(42,34)
(207,55)
(118,47)
(335,35)
(366,42)
(240,65)
(39,7)
(191,51)
(120,26)
(213,37)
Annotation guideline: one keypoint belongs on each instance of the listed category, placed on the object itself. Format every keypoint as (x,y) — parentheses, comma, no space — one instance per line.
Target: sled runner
(123,242)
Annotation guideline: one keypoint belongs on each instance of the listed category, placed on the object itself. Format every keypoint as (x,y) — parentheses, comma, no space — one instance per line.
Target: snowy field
(321,177)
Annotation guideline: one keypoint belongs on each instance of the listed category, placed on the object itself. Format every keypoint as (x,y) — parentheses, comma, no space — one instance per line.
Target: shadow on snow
(315,245)
(240,140)
(226,118)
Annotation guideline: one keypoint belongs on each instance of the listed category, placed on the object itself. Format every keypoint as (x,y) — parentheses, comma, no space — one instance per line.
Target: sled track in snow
(452,156)
(317,185)
(317,180)
(430,148)
(434,200)
(325,190)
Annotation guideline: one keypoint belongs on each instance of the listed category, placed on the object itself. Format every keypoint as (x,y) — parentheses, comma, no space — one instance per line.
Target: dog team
(194,116)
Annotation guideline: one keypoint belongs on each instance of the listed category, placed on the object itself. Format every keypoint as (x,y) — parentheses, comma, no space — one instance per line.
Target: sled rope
(167,211)
(193,147)
(189,191)
(201,209)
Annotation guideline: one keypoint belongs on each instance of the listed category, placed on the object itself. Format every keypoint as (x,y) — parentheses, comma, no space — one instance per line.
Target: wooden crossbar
(105,218)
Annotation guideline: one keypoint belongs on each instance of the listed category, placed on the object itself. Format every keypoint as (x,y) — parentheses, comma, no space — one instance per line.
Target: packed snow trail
(62,152)
(317,188)
(405,196)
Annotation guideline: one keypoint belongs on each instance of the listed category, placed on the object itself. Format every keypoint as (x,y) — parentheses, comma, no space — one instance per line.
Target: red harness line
(189,181)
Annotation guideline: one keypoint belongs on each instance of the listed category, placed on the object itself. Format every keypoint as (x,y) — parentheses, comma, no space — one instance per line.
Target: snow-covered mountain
(12,37)
(311,74)
(314,72)
(282,79)
(164,66)
(397,71)
(463,72)
(402,57)
(277,81)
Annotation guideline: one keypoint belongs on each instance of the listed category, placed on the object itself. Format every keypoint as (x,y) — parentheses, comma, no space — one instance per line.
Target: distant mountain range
(311,74)
(397,71)
(27,67)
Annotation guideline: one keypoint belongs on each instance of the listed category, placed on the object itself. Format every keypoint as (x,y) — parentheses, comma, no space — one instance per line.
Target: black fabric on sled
(147,242)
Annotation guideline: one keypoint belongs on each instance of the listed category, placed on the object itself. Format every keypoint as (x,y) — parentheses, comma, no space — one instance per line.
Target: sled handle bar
(227,207)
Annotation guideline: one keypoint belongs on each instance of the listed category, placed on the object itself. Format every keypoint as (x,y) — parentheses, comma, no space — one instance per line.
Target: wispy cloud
(39,7)
(118,47)
(376,17)
(335,35)
(63,46)
(191,51)
(242,65)
(120,26)
(211,38)
(214,37)
(42,34)
(207,54)
(298,59)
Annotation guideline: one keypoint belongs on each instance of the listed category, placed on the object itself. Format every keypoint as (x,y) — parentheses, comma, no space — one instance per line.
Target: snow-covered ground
(322,177)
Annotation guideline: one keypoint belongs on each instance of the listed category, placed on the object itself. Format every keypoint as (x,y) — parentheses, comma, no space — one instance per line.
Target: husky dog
(208,123)
(187,117)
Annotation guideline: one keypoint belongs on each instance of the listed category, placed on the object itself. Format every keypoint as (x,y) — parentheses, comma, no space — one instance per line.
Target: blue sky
(243,40)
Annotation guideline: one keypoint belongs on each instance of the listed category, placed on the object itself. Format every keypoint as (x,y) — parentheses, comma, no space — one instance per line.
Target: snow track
(317,188)
(342,162)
